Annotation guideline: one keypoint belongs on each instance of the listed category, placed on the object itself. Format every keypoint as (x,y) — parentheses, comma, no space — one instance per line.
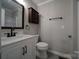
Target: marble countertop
(9,40)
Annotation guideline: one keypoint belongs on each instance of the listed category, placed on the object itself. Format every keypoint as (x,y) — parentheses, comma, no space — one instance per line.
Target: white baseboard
(68,56)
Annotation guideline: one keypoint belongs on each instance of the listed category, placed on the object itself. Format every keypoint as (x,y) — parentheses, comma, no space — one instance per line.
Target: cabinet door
(12,52)
(4,55)
(15,53)
(26,42)
(33,16)
(31,48)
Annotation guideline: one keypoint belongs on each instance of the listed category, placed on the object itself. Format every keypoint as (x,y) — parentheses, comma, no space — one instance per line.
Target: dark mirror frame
(22,18)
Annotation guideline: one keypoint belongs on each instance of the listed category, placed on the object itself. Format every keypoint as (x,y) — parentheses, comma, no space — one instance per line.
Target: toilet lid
(42,44)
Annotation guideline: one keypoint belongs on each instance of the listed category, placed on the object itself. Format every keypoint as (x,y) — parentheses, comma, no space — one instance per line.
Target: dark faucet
(11,34)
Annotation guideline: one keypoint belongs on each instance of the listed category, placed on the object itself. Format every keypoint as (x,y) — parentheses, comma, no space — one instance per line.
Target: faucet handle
(8,34)
(14,33)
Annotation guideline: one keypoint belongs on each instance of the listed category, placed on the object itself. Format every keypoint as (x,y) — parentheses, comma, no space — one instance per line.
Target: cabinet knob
(23,51)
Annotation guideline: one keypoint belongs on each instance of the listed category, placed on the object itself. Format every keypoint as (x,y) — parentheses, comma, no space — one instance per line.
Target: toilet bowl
(42,48)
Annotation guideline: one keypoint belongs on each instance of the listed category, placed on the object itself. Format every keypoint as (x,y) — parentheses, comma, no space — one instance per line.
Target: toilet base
(40,58)
(42,54)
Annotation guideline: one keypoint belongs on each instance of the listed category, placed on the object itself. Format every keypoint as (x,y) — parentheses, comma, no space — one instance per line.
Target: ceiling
(41,2)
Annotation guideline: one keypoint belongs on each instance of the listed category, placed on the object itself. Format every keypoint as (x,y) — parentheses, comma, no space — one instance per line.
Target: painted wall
(33,27)
(78,29)
(0,29)
(56,32)
(75,28)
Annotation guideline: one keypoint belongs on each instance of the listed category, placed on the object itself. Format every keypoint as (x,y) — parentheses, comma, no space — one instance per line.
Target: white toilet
(42,48)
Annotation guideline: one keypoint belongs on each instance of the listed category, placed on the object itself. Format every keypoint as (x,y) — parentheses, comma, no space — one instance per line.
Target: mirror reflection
(11,14)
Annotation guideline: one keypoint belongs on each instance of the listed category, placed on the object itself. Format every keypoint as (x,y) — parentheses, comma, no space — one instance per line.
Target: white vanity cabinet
(25,49)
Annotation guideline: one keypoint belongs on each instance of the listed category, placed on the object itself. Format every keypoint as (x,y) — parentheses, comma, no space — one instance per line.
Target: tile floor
(51,56)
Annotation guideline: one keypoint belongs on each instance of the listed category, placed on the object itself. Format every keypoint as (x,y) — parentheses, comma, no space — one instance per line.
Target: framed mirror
(12,15)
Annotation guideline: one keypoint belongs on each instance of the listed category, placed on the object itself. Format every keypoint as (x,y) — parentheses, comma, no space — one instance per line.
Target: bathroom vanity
(19,47)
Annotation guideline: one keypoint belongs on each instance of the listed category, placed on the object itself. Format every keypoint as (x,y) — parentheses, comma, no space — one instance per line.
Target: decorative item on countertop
(27,27)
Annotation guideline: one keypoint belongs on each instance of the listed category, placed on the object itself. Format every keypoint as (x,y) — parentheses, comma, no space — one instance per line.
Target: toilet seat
(42,46)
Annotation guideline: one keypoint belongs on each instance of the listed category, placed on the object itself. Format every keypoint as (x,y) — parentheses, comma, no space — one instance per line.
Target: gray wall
(33,27)
(78,29)
(75,28)
(0,29)
(55,32)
